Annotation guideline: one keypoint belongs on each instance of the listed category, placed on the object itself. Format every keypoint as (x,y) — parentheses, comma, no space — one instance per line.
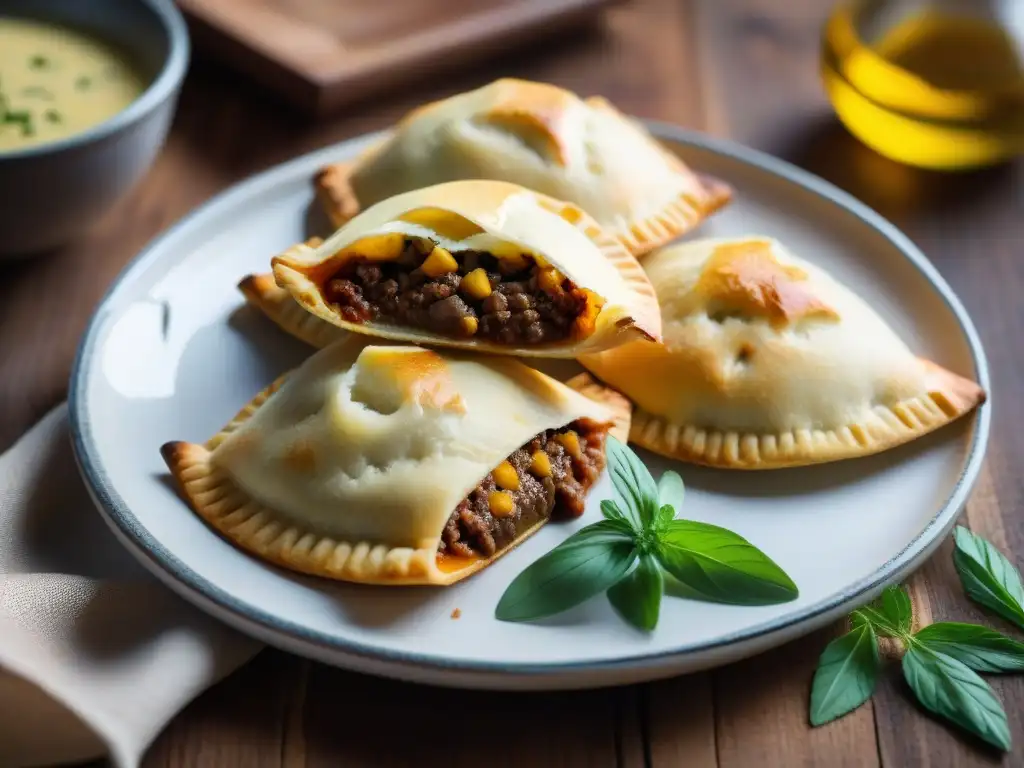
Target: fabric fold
(96,657)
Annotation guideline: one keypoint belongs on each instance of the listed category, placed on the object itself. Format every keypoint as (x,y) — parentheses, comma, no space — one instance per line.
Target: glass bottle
(936,84)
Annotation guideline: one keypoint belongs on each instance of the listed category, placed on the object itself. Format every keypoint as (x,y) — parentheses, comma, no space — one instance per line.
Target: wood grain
(322,56)
(740,68)
(395,724)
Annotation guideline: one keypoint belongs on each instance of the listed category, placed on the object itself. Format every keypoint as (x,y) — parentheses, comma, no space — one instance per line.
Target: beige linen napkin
(95,655)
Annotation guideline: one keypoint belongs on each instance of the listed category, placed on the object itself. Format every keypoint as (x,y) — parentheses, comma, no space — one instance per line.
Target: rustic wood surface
(322,58)
(746,69)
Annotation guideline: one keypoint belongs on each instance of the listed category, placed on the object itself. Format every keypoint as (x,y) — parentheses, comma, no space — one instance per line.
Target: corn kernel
(439,262)
(379,247)
(506,477)
(584,324)
(549,279)
(501,503)
(540,464)
(468,325)
(570,442)
(513,262)
(476,285)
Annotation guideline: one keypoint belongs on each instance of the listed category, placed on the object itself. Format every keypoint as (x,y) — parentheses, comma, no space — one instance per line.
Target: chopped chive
(53,116)
(39,62)
(83,83)
(37,91)
(24,119)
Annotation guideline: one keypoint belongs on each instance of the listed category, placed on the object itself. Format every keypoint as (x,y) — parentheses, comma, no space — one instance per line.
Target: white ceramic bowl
(52,192)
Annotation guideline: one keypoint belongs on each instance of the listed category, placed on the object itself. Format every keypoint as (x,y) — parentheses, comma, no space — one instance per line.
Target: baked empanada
(583,151)
(392,464)
(481,265)
(278,305)
(767,361)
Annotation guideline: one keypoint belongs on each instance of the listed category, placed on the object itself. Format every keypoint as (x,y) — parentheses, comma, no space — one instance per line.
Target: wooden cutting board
(323,54)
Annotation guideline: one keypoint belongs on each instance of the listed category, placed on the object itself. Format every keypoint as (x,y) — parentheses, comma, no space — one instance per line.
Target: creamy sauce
(56,81)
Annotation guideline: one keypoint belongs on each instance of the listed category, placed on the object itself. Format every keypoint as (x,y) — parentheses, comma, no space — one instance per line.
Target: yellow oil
(934,90)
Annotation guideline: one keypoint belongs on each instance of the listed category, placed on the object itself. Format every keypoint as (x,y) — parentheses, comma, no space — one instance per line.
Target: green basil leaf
(988,577)
(616,525)
(611,510)
(722,565)
(891,613)
(846,675)
(671,490)
(665,516)
(635,490)
(980,648)
(586,564)
(637,598)
(895,605)
(611,531)
(951,690)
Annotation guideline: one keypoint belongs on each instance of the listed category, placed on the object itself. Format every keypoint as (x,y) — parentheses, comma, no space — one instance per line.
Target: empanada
(767,361)
(545,138)
(389,464)
(278,305)
(482,265)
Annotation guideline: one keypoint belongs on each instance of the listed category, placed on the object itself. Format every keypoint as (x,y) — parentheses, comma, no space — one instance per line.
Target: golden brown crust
(630,308)
(340,203)
(769,362)
(745,277)
(245,412)
(536,124)
(276,303)
(886,428)
(270,535)
(262,531)
(335,193)
(647,311)
(541,116)
(680,216)
(617,403)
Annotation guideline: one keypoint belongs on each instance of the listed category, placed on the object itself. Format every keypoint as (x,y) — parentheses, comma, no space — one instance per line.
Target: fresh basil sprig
(988,577)
(940,661)
(950,689)
(846,674)
(628,553)
(980,648)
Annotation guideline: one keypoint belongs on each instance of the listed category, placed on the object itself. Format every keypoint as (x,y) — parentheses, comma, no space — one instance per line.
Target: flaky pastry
(481,265)
(389,464)
(767,361)
(583,151)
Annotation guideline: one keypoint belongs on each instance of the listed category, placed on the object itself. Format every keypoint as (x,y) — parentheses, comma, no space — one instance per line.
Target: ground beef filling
(553,473)
(465,294)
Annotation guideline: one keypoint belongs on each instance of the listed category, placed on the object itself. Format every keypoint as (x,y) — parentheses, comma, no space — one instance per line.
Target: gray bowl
(52,192)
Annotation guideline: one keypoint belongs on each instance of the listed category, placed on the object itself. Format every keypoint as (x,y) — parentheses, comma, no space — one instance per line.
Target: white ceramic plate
(172,354)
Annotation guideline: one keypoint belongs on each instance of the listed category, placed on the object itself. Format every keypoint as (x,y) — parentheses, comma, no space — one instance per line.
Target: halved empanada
(769,362)
(545,138)
(389,464)
(481,265)
(277,304)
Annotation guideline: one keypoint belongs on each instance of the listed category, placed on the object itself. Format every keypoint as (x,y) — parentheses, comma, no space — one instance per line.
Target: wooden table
(746,69)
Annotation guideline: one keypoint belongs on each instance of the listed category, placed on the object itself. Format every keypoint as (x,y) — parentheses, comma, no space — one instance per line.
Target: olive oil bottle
(937,85)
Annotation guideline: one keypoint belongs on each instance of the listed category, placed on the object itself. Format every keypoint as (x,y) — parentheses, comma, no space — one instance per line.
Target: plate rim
(204,593)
